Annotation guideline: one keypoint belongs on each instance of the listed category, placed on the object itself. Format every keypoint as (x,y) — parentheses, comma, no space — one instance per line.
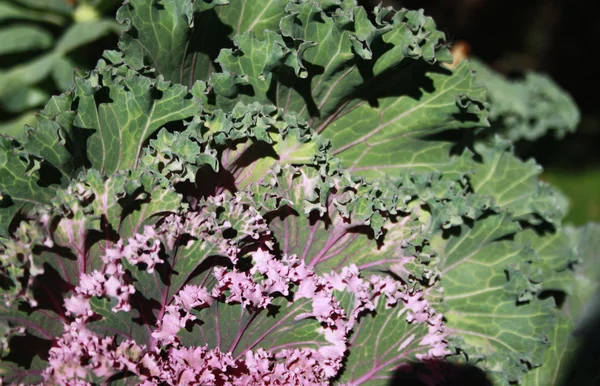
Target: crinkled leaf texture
(275,194)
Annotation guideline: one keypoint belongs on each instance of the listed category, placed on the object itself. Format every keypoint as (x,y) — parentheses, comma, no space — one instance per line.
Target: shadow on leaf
(438,373)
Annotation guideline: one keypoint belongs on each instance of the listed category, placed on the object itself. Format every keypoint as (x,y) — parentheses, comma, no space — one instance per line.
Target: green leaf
(583,305)
(307,78)
(375,131)
(14,126)
(372,63)
(514,184)
(35,70)
(23,99)
(489,283)
(62,73)
(9,11)
(394,158)
(21,38)
(13,373)
(26,74)
(55,139)
(558,357)
(152,202)
(557,255)
(358,57)
(59,6)
(392,341)
(571,358)
(175,43)
(327,225)
(19,174)
(263,15)
(135,109)
(378,88)
(234,328)
(80,34)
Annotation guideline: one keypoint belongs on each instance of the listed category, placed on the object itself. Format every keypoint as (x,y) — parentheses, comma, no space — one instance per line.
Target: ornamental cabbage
(289,193)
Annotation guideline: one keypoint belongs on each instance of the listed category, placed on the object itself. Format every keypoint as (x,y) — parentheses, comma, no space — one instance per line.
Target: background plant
(41,43)
(313,180)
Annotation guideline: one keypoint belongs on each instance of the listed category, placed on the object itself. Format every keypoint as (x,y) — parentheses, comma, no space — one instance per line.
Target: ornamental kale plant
(282,192)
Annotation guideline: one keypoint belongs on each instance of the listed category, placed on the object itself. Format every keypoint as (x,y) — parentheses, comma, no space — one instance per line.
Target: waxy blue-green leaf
(392,342)
(62,73)
(559,357)
(557,254)
(308,79)
(331,220)
(44,64)
(382,83)
(13,126)
(49,6)
(373,88)
(171,37)
(55,139)
(587,274)
(23,99)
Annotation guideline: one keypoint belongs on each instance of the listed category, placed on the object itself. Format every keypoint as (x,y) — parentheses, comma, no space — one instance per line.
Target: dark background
(557,37)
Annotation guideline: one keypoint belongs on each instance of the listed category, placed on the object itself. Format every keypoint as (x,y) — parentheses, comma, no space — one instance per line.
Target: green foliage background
(41,43)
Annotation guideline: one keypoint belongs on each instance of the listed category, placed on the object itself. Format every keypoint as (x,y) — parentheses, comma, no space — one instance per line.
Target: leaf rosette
(300,200)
